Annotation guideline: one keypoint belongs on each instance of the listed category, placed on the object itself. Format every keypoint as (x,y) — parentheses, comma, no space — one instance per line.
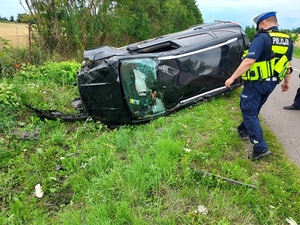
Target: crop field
(12,29)
(15,33)
(297,44)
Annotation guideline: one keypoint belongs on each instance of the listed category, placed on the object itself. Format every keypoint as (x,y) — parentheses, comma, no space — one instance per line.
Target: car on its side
(136,83)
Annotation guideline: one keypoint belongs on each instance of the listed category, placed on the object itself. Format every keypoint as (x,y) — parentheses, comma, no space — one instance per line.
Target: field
(15,33)
(297,44)
(13,29)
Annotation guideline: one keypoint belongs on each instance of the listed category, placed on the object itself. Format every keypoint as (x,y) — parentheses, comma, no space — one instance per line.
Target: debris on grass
(201,210)
(25,135)
(291,221)
(187,150)
(225,179)
(38,191)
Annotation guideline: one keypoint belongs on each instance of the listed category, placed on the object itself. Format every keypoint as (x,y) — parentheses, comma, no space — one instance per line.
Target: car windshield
(139,82)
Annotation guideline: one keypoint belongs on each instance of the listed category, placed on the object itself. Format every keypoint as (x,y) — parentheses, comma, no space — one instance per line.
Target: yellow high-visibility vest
(278,63)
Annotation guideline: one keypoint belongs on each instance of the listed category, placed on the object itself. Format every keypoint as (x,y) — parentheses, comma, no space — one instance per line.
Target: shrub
(63,73)
(9,102)
(11,58)
(7,97)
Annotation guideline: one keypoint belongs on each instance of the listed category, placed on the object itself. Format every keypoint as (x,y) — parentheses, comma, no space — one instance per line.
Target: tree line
(67,27)
(73,25)
(251,31)
(4,19)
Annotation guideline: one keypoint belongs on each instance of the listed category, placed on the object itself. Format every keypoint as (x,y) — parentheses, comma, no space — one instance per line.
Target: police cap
(263,16)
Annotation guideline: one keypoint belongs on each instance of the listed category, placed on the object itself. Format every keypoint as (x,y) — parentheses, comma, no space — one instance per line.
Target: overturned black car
(138,82)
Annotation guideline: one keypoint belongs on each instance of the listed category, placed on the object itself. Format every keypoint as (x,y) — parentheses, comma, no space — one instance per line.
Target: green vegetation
(250,31)
(93,23)
(62,30)
(296,53)
(144,174)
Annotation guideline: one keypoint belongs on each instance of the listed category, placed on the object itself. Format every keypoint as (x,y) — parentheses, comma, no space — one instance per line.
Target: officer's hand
(229,81)
(285,86)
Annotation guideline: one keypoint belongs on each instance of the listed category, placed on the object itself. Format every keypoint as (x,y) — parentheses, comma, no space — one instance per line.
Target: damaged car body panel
(142,81)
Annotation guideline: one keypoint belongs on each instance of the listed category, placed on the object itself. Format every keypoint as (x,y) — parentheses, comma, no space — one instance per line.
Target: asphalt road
(285,124)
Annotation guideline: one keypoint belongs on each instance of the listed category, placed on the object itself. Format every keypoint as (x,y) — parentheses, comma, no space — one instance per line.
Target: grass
(143,174)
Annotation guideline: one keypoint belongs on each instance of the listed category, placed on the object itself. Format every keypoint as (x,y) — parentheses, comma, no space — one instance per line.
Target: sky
(10,8)
(241,11)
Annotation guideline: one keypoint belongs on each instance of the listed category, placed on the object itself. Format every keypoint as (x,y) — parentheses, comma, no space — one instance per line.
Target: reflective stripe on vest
(278,62)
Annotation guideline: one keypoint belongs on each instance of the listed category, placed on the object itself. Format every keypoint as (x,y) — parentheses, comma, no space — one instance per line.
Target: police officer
(266,63)
(296,103)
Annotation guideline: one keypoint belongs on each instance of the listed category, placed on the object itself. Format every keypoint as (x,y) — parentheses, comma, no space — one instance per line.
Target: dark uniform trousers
(297,99)
(253,96)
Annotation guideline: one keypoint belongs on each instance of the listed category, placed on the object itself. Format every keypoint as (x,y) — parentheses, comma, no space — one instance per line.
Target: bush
(60,73)
(9,102)
(11,58)
(63,73)
(42,86)
(7,97)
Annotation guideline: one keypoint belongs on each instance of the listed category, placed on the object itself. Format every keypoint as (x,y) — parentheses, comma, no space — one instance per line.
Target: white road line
(296,70)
